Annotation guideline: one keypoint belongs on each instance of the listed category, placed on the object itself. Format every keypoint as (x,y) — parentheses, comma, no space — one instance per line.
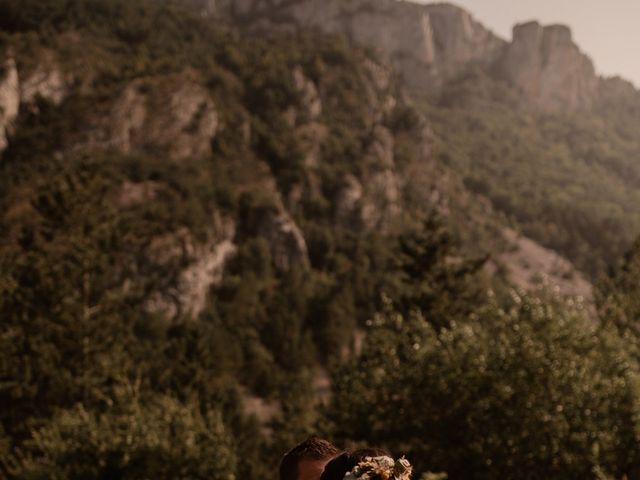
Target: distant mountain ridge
(433,43)
(528,123)
(429,44)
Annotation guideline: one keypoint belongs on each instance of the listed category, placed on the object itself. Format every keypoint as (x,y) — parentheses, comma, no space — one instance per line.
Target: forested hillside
(193,221)
(525,123)
(201,227)
(569,180)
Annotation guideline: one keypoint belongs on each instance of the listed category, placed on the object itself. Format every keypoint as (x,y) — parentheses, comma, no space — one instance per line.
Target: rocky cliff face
(429,44)
(23,89)
(549,69)
(46,81)
(178,118)
(174,113)
(185,294)
(434,43)
(9,99)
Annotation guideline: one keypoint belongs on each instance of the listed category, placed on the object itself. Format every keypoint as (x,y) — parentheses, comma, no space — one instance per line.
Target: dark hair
(313,448)
(337,468)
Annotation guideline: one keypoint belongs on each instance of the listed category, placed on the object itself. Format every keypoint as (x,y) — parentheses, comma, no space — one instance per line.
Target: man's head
(306,460)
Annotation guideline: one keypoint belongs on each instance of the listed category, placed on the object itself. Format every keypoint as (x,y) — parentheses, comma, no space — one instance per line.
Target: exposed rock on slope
(286,242)
(347,200)
(532,266)
(375,202)
(47,82)
(275,225)
(381,203)
(9,99)
(185,294)
(431,44)
(19,89)
(618,92)
(308,92)
(428,43)
(549,69)
(173,113)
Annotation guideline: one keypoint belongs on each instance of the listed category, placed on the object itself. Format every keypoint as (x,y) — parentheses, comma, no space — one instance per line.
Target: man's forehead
(311,469)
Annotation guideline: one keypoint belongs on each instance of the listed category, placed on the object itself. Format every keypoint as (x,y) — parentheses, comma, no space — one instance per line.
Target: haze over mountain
(605,30)
(432,44)
(538,78)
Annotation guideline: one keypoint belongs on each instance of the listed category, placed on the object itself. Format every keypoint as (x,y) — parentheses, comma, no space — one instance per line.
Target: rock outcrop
(308,92)
(434,43)
(348,201)
(429,44)
(530,267)
(549,69)
(9,99)
(286,242)
(174,113)
(22,89)
(47,82)
(273,223)
(135,193)
(381,201)
(616,91)
(184,295)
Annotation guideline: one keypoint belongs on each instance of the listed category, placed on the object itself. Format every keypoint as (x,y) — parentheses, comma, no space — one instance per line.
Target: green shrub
(131,438)
(531,392)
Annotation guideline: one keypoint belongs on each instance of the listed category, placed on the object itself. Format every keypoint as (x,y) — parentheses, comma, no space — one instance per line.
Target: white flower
(383,468)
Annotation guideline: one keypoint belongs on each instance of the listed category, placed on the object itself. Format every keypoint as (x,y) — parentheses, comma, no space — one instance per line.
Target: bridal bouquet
(381,468)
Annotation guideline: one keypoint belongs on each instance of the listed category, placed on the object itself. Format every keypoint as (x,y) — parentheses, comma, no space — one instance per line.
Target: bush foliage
(534,391)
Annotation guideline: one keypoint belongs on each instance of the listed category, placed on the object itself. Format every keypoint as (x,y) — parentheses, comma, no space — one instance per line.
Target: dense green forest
(428,356)
(568,180)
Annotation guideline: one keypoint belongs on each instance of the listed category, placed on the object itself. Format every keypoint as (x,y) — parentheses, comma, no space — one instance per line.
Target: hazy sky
(607,30)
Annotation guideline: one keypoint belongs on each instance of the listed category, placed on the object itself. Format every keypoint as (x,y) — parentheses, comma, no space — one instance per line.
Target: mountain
(428,44)
(434,43)
(544,128)
(191,223)
(547,68)
(212,212)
